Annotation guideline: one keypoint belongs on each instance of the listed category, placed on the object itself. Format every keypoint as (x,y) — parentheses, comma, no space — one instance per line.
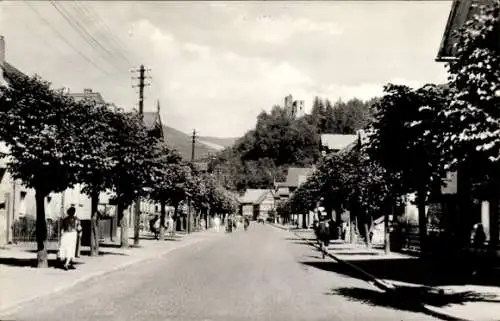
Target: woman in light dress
(170,227)
(70,228)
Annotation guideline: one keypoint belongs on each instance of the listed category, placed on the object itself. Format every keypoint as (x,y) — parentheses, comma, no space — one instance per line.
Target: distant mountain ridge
(205,145)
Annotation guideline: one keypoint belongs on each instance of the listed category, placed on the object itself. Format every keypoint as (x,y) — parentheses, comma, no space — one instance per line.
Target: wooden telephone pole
(137,212)
(189,216)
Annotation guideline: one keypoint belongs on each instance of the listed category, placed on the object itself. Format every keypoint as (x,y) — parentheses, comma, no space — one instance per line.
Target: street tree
(163,180)
(40,127)
(95,146)
(134,156)
(405,140)
(472,119)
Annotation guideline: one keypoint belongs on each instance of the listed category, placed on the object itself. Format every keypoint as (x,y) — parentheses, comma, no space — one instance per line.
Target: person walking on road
(246,223)
(324,236)
(170,227)
(216,223)
(71,226)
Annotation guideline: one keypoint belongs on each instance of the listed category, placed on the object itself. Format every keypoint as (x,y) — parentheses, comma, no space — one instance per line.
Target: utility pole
(193,145)
(137,212)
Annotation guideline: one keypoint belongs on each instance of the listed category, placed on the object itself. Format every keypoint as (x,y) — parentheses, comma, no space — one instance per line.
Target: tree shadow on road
(300,243)
(28,262)
(357,253)
(411,298)
(429,272)
(84,252)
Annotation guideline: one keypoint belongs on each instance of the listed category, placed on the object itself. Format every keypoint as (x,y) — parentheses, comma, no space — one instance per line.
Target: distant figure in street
(479,237)
(246,223)
(216,224)
(344,231)
(229,224)
(67,249)
(170,227)
(154,226)
(324,236)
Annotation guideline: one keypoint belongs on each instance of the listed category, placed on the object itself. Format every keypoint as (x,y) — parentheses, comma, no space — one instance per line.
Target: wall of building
(247,210)
(267,205)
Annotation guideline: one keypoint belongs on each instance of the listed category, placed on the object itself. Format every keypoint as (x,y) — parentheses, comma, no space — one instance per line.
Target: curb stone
(12,308)
(385,286)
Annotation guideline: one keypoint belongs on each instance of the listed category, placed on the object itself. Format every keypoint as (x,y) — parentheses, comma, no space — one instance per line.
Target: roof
(362,138)
(151,119)
(95,96)
(297,175)
(336,141)
(461,11)
(283,191)
(9,71)
(201,166)
(254,196)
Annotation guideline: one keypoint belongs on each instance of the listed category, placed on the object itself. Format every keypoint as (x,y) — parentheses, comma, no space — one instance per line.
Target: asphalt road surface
(261,274)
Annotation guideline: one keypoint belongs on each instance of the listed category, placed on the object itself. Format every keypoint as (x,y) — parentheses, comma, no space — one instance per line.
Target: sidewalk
(436,288)
(22,283)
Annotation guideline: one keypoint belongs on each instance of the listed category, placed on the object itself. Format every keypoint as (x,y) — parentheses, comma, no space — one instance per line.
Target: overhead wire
(65,40)
(113,39)
(87,37)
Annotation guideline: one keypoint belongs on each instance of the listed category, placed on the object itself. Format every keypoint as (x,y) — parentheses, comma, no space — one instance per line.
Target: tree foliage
(406,134)
(278,141)
(472,119)
(40,127)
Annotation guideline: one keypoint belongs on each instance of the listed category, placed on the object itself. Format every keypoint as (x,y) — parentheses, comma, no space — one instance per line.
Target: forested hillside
(278,141)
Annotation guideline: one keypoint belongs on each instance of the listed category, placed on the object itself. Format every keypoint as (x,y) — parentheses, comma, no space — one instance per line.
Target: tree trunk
(422,221)
(207,223)
(176,218)
(189,214)
(304,220)
(123,225)
(41,230)
(162,220)
(387,235)
(94,225)
(366,227)
(493,218)
(137,221)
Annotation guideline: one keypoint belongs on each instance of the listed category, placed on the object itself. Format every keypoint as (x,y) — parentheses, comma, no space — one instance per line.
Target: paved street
(254,275)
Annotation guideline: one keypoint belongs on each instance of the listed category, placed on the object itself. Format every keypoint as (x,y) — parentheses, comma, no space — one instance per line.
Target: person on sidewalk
(217,223)
(67,249)
(170,227)
(246,223)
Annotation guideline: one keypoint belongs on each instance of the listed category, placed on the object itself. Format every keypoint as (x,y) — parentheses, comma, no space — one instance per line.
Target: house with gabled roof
(296,176)
(256,203)
(331,143)
(152,121)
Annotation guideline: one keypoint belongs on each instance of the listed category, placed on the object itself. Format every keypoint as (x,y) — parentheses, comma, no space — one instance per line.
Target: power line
(85,35)
(65,40)
(113,40)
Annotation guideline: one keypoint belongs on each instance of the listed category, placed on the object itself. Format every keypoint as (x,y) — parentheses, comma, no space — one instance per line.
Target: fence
(24,231)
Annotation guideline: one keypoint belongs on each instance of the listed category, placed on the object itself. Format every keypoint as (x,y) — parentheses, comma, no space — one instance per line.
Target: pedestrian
(324,236)
(216,223)
(229,224)
(71,226)
(246,223)
(479,237)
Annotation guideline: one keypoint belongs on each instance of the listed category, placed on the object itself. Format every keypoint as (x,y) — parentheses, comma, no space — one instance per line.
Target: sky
(214,66)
